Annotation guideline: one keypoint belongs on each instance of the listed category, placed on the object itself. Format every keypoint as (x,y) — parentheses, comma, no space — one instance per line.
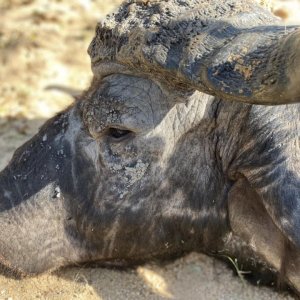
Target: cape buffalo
(170,150)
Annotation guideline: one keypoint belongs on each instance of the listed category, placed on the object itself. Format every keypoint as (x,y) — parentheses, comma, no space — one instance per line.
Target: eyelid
(122,127)
(128,133)
(118,133)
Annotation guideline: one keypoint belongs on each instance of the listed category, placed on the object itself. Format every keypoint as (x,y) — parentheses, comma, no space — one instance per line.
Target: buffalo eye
(118,134)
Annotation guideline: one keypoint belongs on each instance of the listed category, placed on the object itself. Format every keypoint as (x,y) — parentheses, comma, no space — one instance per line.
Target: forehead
(120,98)
(128,91)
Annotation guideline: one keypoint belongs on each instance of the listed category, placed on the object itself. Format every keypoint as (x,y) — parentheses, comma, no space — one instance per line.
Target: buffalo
(186,140)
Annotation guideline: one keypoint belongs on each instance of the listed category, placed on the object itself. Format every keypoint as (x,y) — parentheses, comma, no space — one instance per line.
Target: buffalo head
(160,155)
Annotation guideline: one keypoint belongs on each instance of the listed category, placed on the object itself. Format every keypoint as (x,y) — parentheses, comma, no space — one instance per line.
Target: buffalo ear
(250,221)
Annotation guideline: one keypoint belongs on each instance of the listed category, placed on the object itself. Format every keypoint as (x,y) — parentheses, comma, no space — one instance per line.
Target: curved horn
(223,48)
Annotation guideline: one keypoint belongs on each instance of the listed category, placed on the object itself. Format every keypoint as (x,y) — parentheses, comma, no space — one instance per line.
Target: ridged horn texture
(232,49)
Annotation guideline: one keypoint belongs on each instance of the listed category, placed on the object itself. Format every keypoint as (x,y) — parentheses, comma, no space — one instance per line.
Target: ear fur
(251,222)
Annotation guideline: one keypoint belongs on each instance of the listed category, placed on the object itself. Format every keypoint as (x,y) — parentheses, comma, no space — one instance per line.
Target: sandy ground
(42,51)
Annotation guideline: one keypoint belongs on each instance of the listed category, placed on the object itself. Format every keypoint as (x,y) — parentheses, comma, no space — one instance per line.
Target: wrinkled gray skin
(143,166)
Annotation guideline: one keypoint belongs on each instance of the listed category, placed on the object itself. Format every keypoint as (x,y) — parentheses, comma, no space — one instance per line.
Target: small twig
(239,272)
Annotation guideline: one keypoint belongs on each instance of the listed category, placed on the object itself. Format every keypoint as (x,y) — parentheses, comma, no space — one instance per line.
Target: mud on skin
(160,157)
